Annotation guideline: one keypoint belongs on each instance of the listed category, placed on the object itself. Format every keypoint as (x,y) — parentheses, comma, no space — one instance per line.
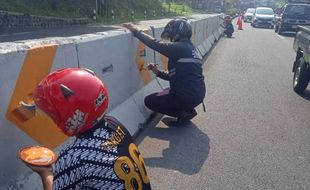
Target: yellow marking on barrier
(164,61)
(37,65)
(140,61)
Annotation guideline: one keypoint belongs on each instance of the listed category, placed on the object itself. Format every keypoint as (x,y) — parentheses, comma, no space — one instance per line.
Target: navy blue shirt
(229,28)
(184,66)
(104,157)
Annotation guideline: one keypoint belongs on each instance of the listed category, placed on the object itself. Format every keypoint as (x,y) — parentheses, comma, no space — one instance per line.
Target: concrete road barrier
(117,58)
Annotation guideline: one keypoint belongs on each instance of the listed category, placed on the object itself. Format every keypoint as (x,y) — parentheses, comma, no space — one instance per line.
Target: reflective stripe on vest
(189,60)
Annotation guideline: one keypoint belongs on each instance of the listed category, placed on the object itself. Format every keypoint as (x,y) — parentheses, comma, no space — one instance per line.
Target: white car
(248,15)
(263,16)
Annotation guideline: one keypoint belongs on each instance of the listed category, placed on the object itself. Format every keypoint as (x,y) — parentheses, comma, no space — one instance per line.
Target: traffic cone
(239,23)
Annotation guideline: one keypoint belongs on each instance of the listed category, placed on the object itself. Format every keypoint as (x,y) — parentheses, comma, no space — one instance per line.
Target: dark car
(301,67)
(290,16)
(263,16)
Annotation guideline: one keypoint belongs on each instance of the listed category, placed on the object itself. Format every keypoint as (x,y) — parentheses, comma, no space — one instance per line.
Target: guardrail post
(94,15)
(132,15)
(112,14)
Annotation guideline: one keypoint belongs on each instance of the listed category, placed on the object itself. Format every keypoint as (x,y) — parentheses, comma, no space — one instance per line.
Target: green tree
(230,7)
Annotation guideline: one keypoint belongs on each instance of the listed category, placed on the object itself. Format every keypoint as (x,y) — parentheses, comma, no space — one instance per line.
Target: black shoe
(187,116)
(178,123)
(174,122)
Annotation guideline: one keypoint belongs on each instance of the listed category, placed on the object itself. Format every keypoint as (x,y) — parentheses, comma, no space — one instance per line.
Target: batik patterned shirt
(104,158)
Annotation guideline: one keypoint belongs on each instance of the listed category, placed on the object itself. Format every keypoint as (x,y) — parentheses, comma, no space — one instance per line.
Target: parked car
(301,67)
(263,16)
(248,15)
(291,15)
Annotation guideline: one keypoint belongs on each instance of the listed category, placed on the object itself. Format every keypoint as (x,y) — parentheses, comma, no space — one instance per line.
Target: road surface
(255,133)
(13,35)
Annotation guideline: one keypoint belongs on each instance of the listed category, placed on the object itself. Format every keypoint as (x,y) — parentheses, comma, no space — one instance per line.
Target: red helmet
(74,98)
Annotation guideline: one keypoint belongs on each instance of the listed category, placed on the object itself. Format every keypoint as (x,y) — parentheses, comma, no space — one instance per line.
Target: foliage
(230,8)
(280,3)
(161,11)
(232,11)
(84,8)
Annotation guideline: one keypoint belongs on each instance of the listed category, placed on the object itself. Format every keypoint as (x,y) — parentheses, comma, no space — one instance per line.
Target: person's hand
(43,171)
(153,68)
(130,27)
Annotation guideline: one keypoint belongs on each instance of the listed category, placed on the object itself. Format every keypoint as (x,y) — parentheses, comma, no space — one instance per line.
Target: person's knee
(148,102)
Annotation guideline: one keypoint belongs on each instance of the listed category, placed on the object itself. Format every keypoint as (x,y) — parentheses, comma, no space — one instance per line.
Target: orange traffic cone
(239,23)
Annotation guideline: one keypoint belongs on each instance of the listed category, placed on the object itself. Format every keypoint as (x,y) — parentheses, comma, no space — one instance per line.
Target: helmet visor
(168,31)
(42,103)
(165,34)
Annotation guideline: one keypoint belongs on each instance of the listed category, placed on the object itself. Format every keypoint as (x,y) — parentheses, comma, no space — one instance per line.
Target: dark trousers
(169,104)
(229,34)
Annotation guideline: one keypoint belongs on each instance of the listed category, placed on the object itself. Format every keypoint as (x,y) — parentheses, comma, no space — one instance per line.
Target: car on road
(290,16)
(263,16)
(248,15)
(301,67)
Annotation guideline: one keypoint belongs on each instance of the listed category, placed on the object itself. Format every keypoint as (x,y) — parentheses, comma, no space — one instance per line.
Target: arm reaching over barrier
(169,49)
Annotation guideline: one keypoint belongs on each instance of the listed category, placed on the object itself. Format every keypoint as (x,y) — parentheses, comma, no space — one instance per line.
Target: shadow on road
(188,150)
(289,34)
(231,38)
(262,28)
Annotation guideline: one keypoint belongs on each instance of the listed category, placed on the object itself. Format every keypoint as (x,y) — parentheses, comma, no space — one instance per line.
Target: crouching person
(228,26)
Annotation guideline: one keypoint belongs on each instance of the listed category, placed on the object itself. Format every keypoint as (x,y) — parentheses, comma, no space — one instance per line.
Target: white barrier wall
(116,56)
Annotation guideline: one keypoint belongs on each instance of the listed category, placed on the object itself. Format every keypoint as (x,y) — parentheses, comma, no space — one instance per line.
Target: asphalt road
(13,35)
(255,133)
